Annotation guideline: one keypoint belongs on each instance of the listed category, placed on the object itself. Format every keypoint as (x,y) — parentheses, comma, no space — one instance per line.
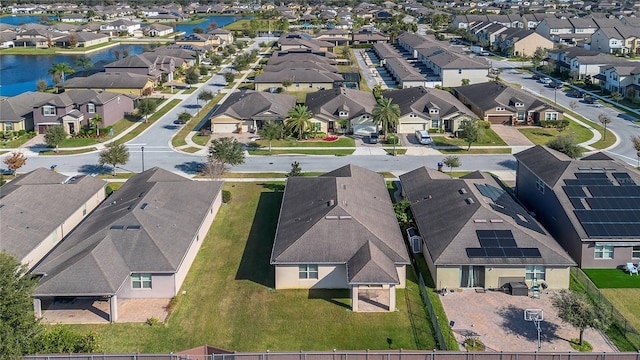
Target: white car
(423,137)
(546,80)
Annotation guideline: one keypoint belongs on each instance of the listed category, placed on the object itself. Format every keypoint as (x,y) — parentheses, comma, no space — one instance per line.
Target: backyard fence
(629,332)
(351,355)
(442,345)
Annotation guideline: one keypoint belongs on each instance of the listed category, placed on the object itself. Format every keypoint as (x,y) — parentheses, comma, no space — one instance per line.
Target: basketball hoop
(536,316)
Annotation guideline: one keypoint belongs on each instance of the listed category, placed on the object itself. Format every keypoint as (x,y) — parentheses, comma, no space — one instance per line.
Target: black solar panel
(476,253)
(574,191)
(488,242)
(591,175)
(614,191)
(489,191)
(587,182)
(531,253)
(494,252)
(513,252)
(499,244)
(577,204)
(507,243)
(623,179)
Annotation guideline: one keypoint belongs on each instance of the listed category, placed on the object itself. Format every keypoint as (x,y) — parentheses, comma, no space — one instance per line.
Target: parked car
(373,138)
(535,77)
(546,80)
(423,137)
(556,84)
(179,122)
(577,94)
(590,100)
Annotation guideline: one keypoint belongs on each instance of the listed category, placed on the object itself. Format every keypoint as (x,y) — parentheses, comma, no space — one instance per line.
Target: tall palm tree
(298,120)
(96,121)
(386,115)
(58,70)
(83,62)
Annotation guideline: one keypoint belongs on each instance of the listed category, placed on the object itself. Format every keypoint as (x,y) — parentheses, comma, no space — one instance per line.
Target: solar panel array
(503,203)
(500,244)
(605,209)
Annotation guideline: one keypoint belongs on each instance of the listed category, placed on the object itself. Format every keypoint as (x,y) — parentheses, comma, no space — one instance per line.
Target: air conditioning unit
(415,240)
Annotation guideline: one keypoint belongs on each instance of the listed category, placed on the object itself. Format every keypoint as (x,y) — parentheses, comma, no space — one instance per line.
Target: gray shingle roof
(17,107)
(244,105)
(328,219)
(330,102)
(43,195)
(547,164)
(148,225)
(420,99)
(299,75)
(111,80)
(449,211)
(488,95)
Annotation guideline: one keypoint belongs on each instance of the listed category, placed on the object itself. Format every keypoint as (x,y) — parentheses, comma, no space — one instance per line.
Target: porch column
(354,298)
(392,297)
(113,308)
(37,308)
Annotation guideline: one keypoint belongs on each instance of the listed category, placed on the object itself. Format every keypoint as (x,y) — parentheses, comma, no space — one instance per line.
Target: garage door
(501,119)
(42,129)
(225,128)
(364,129)
(410,128)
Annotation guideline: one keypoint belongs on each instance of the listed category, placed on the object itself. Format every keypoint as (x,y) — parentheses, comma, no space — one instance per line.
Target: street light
(555,94)
(142,149)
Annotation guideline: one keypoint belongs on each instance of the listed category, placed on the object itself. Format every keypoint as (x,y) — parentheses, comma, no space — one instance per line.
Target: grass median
(490,139)
(290,142)
(179,138)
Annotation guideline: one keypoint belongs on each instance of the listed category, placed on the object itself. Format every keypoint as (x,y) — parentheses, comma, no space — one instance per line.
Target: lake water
(20,73)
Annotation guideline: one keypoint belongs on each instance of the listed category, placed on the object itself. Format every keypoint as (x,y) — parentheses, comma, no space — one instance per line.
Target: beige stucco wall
(63,229)
(94,42)
(197,241)
(17,126)
(451,77)
(529,44)
(323,124)
(329,277)
(449,277)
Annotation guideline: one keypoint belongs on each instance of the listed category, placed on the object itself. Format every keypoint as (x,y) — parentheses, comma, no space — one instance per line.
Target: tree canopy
(222,152)
(18,325)
(452,161)
(567,144)
(15,161)
(114,154)
(386,115)
(59,70)
(576,310)
(471,131)
(146,107)
(271,130)
(54,136)
(298,120)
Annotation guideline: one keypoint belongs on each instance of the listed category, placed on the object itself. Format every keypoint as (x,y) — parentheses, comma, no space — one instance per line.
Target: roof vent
(331,217)
(133,227)
(463,191)
(479,220)
(345,217)
(117,227)
(469,201)
(332,202)
(144,206)
(494,221)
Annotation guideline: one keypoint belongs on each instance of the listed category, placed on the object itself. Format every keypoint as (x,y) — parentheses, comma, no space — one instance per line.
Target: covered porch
(373,298)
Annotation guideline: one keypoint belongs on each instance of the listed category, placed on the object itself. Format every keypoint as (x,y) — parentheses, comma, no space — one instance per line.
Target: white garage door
(410,128)
(364,129)
(225,128)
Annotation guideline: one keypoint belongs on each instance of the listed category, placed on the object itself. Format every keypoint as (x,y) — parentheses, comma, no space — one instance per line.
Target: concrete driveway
(511,135)
(498,319)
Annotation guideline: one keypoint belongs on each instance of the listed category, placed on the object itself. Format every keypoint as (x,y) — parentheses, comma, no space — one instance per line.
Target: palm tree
(386,115)
(298,120)
(83,62)
(96,121)
(58,70)
(377,91)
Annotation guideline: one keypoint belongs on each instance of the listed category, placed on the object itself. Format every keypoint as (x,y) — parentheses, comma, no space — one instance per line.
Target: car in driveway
(423,137)
(373,138)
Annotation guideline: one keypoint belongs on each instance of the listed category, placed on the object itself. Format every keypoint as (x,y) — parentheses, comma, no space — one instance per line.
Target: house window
(91,108)
(412,115)
(84,209)
(8,126)
(500,108)
(141,281)
(343,113)
(534,272)
(540,185)
(435,123)
(459,71)
(551,116)
(49,110)
(635,252)
(54,236)
(519,104)
(603,252)
(308,271)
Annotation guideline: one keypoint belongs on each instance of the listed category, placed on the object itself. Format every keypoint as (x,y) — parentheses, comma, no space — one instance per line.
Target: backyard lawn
(230,301)
(627,303)
(613,279)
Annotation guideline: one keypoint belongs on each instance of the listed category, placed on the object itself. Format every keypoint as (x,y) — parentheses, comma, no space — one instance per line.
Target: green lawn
(476,151)
(541,136)
(490,139)
(17,142)
(67,152)
(190,149)
(230,303)
(335,152)
(398,151)
(613,279)
(179,138)
(627,302)
(341,142)
(201,140)
(77,142)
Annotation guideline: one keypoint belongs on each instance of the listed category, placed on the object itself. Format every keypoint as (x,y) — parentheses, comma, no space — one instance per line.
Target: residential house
(141,65)
(58,202)
(117,27)
(581,63)
(121,82)
(297,40)
(522,42)
(246,111)
(16,112)
(157,30)
(343,109)
(425,109)
(200,41)
(37,38)
(552,28)
(620,78)
(82,39)
(489,33)
(338,37)
(225,35)
(140,245)
(591,205)
(616,40)
(300,79)
(499,103)
(75,108)
(475,235)
(339,231)
(367,36)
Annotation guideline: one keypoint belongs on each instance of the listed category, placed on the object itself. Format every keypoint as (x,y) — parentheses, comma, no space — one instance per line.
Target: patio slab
(498,320)
(92,311)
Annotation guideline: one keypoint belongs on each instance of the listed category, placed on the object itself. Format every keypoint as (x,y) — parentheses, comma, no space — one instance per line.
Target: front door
(330,127)
(471,276)
(72,128)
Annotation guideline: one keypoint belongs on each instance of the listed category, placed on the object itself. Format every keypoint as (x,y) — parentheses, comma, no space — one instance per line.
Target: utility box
(517,289)
(415,240)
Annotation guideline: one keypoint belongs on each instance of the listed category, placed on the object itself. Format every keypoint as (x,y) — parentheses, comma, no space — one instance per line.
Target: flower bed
(330,138)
